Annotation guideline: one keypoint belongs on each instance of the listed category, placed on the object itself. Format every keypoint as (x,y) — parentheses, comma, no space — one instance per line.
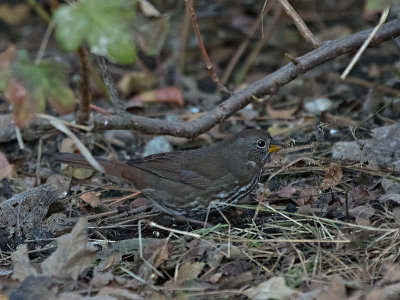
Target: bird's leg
(193,221)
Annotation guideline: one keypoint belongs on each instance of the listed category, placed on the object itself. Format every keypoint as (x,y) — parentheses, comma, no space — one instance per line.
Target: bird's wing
(174,166)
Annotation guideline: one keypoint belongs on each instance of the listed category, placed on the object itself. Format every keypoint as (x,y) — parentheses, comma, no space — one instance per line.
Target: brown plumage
(185,182)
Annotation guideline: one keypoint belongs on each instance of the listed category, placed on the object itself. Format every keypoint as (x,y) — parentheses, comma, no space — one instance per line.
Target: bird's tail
(111,167)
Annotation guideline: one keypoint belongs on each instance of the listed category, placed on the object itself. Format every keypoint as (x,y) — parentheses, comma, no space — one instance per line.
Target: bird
(185,183)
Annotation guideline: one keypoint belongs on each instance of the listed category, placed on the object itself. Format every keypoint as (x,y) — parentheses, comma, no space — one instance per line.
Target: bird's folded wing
(172,166)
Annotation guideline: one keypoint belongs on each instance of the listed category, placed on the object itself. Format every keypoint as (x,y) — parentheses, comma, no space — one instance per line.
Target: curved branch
(265,86)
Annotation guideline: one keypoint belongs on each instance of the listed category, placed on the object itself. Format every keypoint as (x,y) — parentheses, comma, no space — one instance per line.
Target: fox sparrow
(186,182)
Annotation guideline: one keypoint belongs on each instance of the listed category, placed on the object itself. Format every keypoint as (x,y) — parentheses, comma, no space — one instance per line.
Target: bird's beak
(274,148)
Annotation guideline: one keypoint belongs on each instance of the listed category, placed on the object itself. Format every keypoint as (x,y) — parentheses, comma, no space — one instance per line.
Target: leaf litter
(323,230)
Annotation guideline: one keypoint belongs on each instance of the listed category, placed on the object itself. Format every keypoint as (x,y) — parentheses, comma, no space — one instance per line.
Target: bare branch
(265,86)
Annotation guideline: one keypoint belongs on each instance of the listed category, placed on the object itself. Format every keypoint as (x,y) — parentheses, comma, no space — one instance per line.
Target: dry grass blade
(364,46)
(82,149)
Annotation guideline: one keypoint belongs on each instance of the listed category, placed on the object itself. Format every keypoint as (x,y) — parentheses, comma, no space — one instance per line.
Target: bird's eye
(261,143)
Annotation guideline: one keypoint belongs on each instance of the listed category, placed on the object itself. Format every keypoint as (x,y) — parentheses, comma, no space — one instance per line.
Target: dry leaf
(237,281)
(160,256)
(169,94)
(391,271)
(333,177)
(34,288)
(57,224)
(118,293)
(361,195)
(396,215)
(73,255)
(391,291)
(61,183)
(26,210)
(81,173)
(336,291)
(390,196)
(157,252)
(338,121)
(189,271)
(6,170)
(136,82)
(91,198)
(14,14)
(148,9)
(299,195)
(152,246)
(281,114)
(23,107)
(67,145)
(100,279)
(274,288)
(362,214)
(21,264)
(140,202)
(215,277)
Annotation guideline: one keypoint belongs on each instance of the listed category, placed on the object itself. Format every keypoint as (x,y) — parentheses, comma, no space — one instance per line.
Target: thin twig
(38,159)
(58,124)
(141,252)
(379,87)
(112,93)
(153,224)
(233,61)
(209,66)
(301,26)
(44,43)
(183,41)
(84,111)
(240,75)
(39,10)
(19,138)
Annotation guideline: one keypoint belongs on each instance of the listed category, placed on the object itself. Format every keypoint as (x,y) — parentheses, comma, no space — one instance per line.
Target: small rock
(156,145)
(381,150)
(318,105)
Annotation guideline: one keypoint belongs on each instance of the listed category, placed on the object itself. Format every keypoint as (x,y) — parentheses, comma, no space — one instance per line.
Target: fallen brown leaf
(362,214)
(300,195)
(338,121)
(281,114)
(189,271)
(336,290)
(274,288)
(333,177)
(170,94)
(91,198)
(35,287)
(21,264)
(26,210)
(73,255)
(6,169)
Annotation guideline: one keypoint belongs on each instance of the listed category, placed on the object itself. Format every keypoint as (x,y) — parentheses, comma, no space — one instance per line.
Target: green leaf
(27,87)
(70,31)
(103,24)
(62,99)
(46,81)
